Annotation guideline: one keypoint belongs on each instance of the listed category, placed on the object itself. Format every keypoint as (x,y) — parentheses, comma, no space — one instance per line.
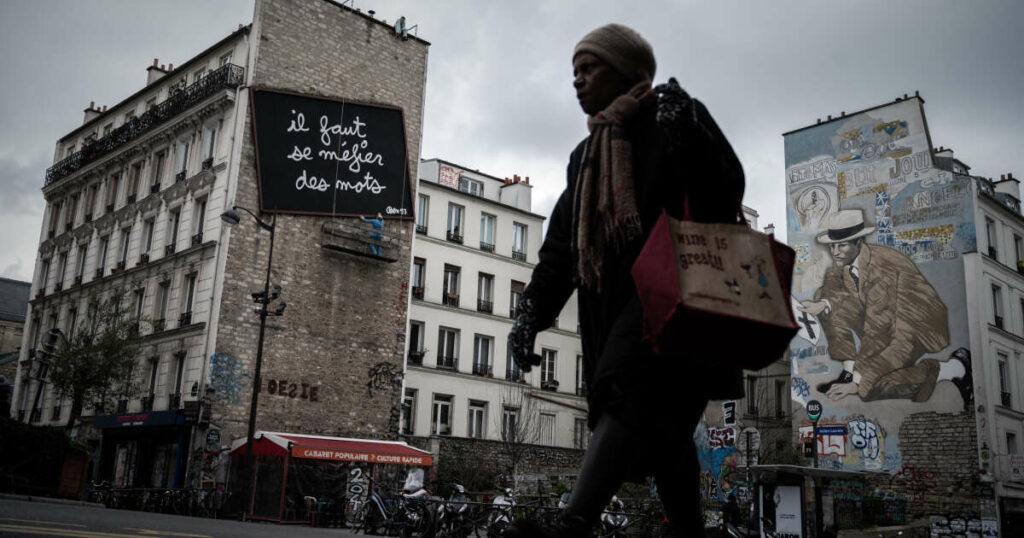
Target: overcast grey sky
(499,95)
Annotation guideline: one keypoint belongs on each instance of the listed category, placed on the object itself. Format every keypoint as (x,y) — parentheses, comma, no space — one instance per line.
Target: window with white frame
(513,300)
(173,223)
(408,411)
(126,236)
(416,342)
(113,183)
(580,434)
(477,419)
(139,297)
(441,415)
(419,270)
(547,366)
(1011,443)
(163,292)
(188,300)
(581,383)
(512,371)
(181,159)
(487,223)
(44,274)
(482,351)
(450,287)
(134,177)
(83,251)
(159,164)
(546,429)
(484,293)
(510,424)
(147,236)
(225,60)
(422,212)
(990,235)
(62,267)
(997,306)
(471,186)
(209,144)
(519,241)
(447,348)
(455,218)
(1003,365)
(101,256)
(198,221)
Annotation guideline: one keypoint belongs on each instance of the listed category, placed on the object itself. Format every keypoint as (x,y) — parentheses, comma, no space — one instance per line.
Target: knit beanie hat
(623,48)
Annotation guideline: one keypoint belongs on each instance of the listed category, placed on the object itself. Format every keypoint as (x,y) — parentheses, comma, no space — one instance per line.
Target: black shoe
(964,383)
(845,377)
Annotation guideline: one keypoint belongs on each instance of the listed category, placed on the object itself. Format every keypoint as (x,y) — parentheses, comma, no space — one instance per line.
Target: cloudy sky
(499,95)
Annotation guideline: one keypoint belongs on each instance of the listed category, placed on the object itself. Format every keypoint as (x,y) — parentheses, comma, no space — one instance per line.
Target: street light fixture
(231,217)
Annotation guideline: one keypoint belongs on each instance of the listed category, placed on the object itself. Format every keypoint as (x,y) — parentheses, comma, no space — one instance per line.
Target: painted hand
(813,308)
(841,390)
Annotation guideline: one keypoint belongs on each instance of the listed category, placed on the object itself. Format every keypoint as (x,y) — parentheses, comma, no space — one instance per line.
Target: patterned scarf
(604,208)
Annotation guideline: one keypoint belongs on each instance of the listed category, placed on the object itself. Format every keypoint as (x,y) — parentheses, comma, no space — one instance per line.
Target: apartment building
(476,244)
(133,202)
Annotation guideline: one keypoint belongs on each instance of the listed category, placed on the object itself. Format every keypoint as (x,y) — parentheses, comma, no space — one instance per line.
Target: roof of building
(844,115)
(14,299)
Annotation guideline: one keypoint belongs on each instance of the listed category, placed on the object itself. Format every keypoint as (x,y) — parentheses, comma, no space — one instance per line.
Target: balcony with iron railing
(227,77)
(174,400)
(483,369)
(447,362)
(549,385)
(450,299)
(421,229)
(515,375)
(519,255)
(417,293)
(454,236)
(486,247)
(1006,399)
(416,357)
(484,306)
(147,402)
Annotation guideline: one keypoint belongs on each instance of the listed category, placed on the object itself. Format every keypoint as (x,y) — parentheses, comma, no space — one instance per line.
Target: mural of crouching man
(881,315)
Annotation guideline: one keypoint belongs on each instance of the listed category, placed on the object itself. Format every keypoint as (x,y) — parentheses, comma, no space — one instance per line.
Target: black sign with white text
(330,157)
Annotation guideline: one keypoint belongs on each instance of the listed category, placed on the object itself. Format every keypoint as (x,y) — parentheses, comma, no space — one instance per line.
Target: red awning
(318,447)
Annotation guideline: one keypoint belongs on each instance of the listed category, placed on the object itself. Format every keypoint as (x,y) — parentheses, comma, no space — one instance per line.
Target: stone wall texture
(483,466)
(337,351)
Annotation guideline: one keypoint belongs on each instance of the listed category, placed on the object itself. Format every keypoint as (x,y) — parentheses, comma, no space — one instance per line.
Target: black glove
(522,336)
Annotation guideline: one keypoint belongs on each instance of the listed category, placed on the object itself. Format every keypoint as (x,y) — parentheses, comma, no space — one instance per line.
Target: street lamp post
(231,217)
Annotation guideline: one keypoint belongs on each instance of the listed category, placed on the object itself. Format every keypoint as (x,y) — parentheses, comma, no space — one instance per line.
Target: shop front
(309,478)
(144,450)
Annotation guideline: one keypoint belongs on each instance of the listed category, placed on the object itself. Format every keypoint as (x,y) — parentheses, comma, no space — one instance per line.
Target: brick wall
(940,467)
(343,331)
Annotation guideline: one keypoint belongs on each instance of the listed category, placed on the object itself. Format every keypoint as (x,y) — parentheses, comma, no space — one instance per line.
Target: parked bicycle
(406,515)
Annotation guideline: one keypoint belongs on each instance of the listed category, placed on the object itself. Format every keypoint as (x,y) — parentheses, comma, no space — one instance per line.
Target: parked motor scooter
(614,520)
(501,513)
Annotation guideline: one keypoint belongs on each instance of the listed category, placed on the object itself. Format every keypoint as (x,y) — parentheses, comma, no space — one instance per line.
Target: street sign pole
(814,413)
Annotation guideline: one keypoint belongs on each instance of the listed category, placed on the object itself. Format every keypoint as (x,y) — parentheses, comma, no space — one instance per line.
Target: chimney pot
(371,12)
(904,96)
(104,108)
(92,105)
(1002,177)
(170,67)
(156,61)
(240,26)
(527,180)
(830,117)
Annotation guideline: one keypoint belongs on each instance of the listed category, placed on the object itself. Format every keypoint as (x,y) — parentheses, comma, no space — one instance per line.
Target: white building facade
(995,306)
(474,251)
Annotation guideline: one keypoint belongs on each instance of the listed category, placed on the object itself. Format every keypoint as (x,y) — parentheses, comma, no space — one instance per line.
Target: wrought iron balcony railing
(174,400)
(1006,399)
(447,362)
(421,229)
(227,77)
(484,306)
(486,247)
(147,402)
(417,292)
(416,357)
(450,299)
(519,255)
(482,369)
(454,237)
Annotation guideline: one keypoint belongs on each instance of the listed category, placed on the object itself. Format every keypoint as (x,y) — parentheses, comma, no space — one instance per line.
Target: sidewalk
(50,500)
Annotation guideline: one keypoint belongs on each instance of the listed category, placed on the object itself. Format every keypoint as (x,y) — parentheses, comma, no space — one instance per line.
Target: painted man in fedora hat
(881,316)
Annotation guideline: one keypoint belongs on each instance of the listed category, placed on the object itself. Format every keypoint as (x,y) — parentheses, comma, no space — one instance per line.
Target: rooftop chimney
(154,72)
(90,112)
(170,67)
(516,192)
(770,229)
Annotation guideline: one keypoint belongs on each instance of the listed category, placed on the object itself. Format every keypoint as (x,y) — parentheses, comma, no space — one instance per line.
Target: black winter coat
(623,375)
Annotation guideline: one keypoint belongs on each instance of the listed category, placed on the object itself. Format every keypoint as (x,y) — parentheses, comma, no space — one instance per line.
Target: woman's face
(597,83)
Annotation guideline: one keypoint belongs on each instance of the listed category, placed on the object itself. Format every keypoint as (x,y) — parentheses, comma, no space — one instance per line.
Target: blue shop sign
(832,430)
(152,418)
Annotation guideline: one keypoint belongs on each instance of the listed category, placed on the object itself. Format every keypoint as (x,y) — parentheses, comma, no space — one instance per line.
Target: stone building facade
(133,200)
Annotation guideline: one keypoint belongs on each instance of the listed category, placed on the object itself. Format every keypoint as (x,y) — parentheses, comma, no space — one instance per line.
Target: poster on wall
(321,156)
(878,284)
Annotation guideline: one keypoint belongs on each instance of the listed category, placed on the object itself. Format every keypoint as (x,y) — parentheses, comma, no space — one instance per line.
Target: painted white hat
(845,225)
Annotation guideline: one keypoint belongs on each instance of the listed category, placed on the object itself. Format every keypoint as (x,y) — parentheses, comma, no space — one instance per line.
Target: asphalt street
(39,518)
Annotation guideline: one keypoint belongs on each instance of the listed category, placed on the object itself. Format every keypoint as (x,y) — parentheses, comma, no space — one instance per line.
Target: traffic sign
(814,410)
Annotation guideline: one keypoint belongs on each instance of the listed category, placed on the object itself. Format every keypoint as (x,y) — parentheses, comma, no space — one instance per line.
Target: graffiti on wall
(383,376)
(878,231)
(719,462)
(228,379)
